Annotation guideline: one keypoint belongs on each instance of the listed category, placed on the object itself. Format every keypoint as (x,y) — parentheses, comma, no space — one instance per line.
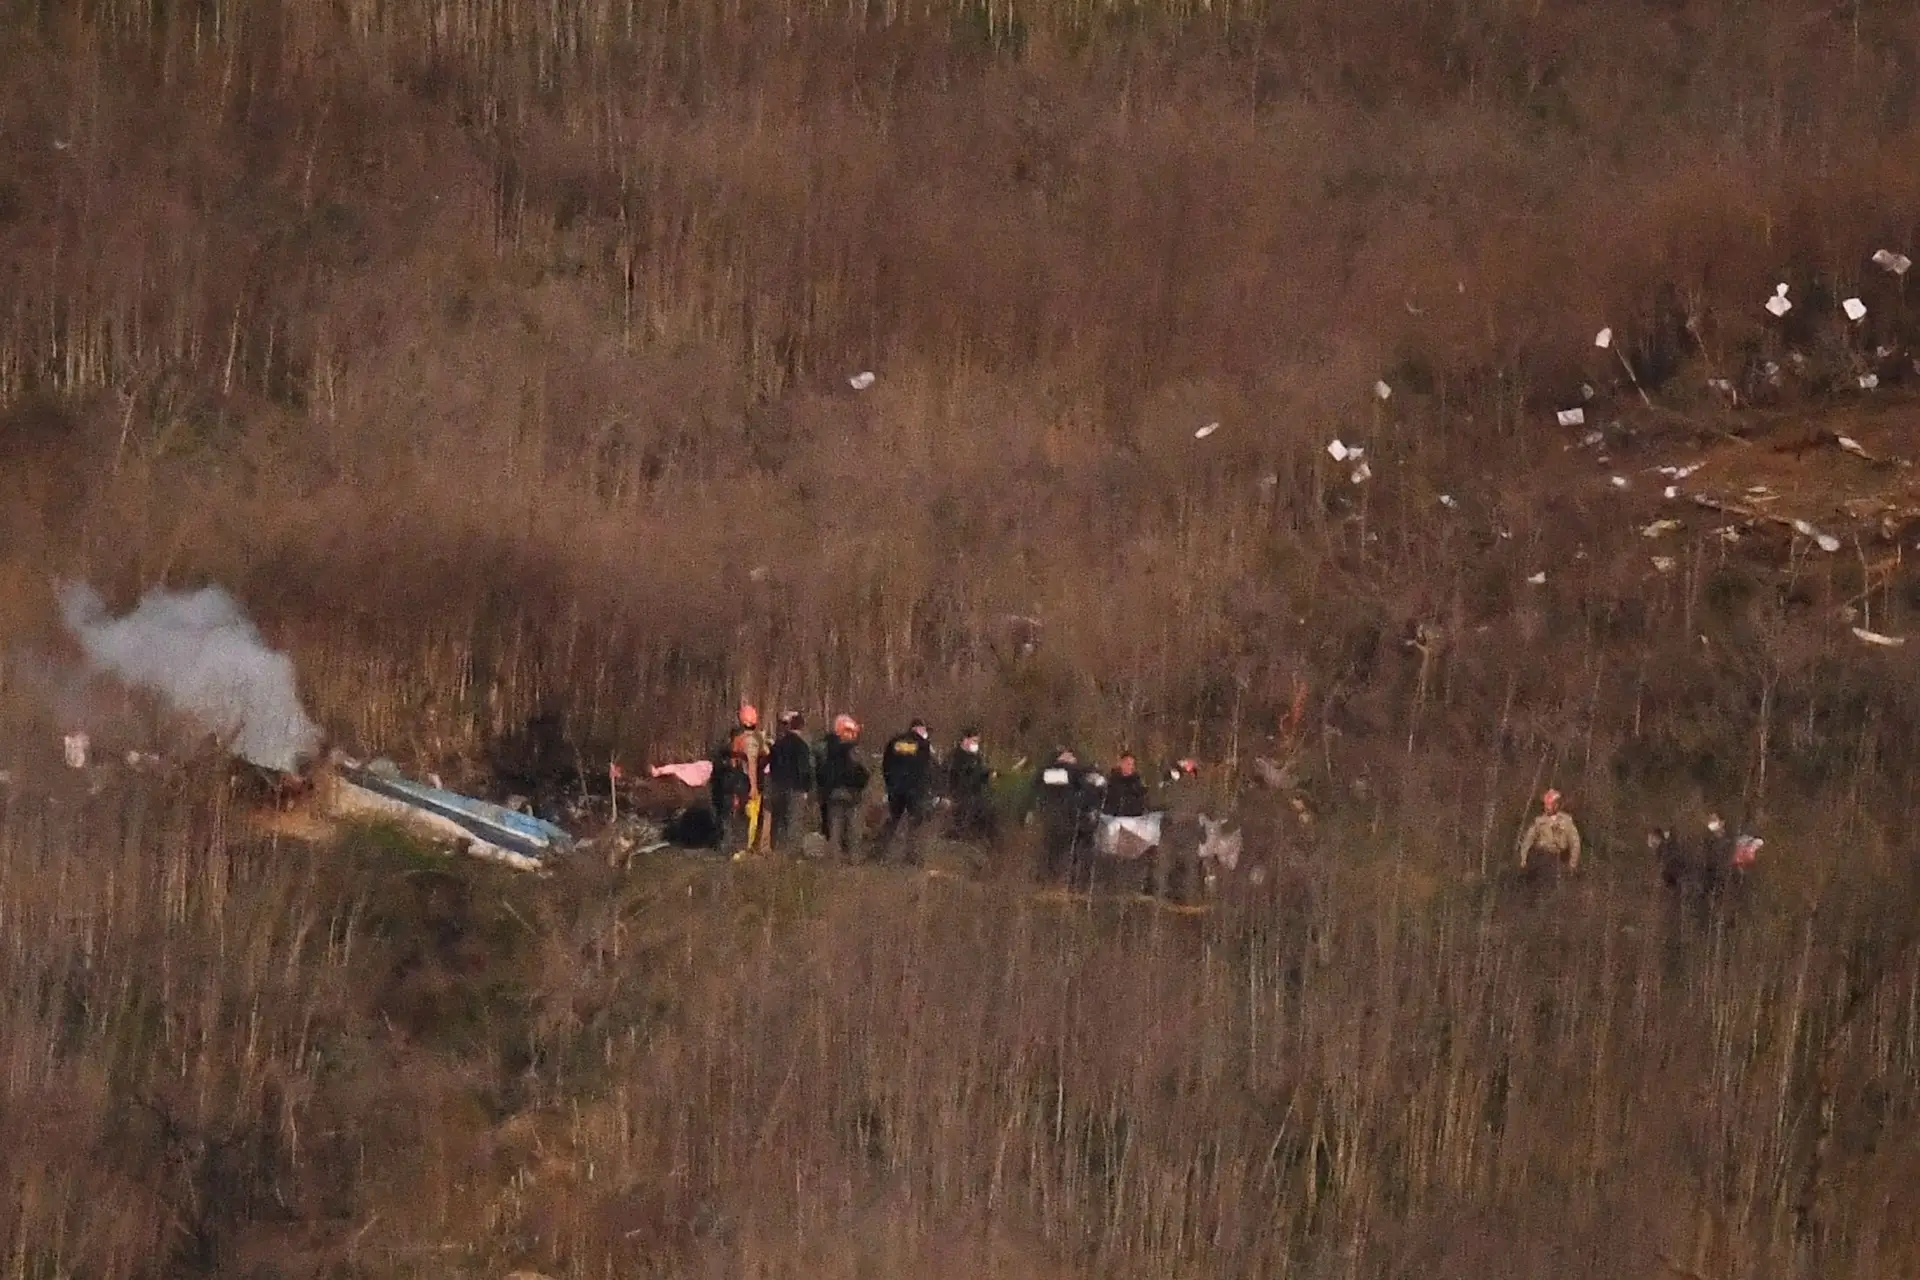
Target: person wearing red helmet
(840,778)
(737,766)
(1552,835)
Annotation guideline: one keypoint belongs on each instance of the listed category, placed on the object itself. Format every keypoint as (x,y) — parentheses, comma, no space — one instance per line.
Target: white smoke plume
(197,650)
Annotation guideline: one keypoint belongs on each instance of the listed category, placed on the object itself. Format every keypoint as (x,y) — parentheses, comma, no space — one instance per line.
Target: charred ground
(496,356)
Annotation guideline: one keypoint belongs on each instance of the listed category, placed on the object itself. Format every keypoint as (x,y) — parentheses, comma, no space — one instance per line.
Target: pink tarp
(694,773)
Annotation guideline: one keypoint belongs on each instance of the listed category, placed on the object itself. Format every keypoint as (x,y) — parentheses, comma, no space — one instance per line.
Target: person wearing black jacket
(1126,790)
(906,770)
(789,778)
(839,779)
(1066,801)
(969,789)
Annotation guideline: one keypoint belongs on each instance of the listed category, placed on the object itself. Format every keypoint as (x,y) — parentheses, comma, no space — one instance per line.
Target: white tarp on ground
(1127,837)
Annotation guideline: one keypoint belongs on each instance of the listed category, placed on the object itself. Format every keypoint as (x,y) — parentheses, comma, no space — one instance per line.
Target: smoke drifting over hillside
(199,652)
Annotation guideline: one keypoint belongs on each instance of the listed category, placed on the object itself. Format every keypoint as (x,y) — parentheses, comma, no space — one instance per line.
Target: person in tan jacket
(1551,835)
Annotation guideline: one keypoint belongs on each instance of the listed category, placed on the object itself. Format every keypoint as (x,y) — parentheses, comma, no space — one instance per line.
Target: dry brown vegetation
(496,352)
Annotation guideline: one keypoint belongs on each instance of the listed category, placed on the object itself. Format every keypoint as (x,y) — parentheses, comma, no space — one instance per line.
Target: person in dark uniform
(789,779)
(1175,874)
(1126,790)
(1067,799)
(906,770)
(839,779)
(970,790)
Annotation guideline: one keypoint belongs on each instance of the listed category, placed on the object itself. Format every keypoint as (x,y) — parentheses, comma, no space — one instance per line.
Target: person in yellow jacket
(1553,836)
(736,781)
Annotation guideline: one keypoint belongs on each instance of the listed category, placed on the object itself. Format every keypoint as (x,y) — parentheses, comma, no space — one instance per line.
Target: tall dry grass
(496,354)
(227,1057)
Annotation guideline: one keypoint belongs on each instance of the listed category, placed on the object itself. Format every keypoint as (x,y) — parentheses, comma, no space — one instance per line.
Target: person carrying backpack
(737,765)
(840,777)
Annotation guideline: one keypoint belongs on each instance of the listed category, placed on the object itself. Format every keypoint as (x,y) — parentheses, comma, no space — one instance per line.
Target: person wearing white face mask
(969,788)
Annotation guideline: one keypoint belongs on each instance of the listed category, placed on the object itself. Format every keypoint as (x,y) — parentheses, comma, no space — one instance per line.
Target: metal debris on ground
(1361,474)
(1874,637)
(1856,310)
(1206,431)
(1538,579)
(1340,451)
(1888,260)
(1572,417)
(490,831)
(1618,482)
(1868,381)
(1659,528)
(1663,564)
(862,380)
(1825,541)
(1382,391)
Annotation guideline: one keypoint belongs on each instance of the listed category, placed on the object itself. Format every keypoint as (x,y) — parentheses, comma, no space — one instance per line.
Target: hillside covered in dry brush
(497,355)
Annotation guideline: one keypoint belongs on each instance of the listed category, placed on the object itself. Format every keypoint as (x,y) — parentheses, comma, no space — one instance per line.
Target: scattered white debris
(1381,391)
(1659,528)
(1891,261)
(1345,452)
(1778,305)
(74,746)
(1592,438)
(1361,474)
(1447,500)
(1206,431)
(1269,482)
(1663,564)
(1618,482)
(1721,385)
(1855,309)
(1586,391)
(1572,417)
(1727,533)
(861,381)
(1538,579)
(1679,473)
(1603,339)
(1852,446)
(1874,637)
(1505,533)
(758,573)
(1671,492)
(1825,541)
(1868,381)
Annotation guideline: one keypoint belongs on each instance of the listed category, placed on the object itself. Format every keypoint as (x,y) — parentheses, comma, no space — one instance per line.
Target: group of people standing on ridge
(1702,870)
(760,786)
